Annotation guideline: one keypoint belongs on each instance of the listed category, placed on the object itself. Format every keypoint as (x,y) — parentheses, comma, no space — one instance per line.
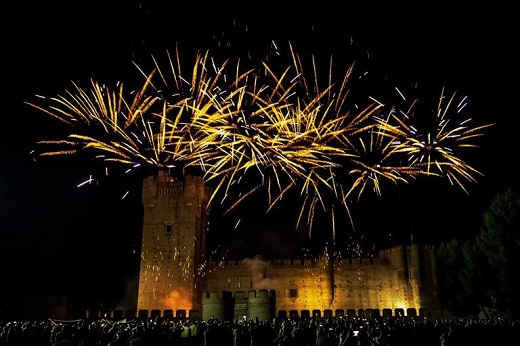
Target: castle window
(167,230)
(293,293)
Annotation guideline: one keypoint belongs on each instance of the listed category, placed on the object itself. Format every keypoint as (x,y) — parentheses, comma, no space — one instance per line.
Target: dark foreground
(304,332)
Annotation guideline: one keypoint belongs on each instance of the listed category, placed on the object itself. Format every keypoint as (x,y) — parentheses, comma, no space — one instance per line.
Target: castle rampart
(173,242)
(175,277)
(395,280)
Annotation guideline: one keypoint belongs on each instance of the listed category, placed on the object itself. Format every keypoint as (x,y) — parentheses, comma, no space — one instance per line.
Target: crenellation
(175,276)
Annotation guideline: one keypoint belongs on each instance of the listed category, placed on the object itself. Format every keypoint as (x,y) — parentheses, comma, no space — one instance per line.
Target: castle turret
(327,281)
(173,243)
(174,275)
(414,273)
(240,305)
(259,305)
(213,306)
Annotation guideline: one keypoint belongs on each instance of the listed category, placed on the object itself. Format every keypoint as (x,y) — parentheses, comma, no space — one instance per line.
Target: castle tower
(173,243)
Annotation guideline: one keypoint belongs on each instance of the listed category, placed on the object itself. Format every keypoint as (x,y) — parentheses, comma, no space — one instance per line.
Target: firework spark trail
(432,144)
(329,123)
(107,123)
(279,129)
(256,126)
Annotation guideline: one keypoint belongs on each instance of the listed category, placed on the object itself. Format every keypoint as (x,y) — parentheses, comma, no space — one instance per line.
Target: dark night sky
(55,237)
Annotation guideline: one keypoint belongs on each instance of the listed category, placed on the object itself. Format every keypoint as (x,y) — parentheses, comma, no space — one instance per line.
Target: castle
(176,280)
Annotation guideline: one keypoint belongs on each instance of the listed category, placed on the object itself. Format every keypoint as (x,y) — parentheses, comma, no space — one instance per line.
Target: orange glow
(178,299)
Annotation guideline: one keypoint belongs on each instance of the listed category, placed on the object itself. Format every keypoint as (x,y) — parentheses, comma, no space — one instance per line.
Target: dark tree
(473,274)
(484,274)
(499,242)
(449,259)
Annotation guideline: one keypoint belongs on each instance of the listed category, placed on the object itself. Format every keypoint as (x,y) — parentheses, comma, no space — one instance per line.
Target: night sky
(57,238)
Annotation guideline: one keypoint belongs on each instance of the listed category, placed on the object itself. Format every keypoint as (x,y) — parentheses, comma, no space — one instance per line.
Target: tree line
(481,275)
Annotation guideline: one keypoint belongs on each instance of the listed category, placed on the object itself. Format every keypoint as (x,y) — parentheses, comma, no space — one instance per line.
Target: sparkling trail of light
(275,126)
(433,143)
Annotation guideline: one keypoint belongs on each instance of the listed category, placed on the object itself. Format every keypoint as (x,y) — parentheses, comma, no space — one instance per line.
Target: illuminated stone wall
(173,243)
(174,276)
(400,278)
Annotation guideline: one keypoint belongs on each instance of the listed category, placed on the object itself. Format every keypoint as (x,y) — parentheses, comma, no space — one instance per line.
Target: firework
(432,140)
(268,126)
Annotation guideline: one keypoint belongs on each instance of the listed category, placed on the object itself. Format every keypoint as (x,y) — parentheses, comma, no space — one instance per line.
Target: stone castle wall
(175,277)
(173,243)
(400,278)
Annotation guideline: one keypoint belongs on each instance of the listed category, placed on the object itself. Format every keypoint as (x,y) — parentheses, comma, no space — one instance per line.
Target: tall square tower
(171,275)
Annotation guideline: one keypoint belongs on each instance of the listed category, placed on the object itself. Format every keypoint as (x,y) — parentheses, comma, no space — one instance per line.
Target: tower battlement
(296,263)
(175,275)
(173,243)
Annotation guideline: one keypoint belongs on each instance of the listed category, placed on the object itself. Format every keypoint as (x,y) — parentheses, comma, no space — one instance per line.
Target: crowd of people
(343,331)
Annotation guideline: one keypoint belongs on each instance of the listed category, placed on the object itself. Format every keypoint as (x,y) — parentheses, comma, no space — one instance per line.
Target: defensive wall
(400,280)
(173,242)
(176,281)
